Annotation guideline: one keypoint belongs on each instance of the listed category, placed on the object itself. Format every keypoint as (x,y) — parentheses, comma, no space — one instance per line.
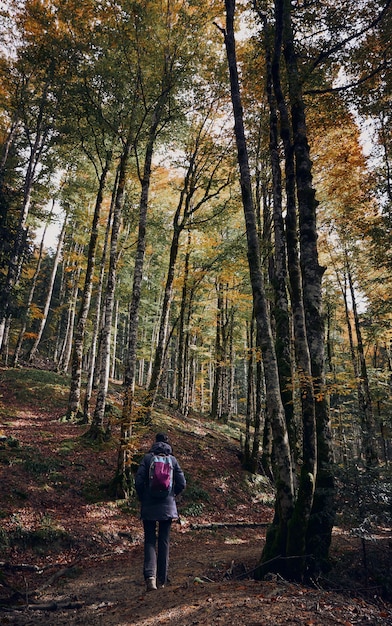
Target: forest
(196,206)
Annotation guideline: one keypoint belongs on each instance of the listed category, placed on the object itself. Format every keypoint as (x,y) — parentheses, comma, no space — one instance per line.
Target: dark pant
(156,566)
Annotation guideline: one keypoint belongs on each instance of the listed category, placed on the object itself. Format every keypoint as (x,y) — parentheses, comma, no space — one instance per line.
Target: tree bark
(276,539)
(182,349)
(98,315)
(67,343)
(96,430)
(33,285)
(217,390)
(74,410)
(49,293)
(121,480)
(279,279)
(296,542)
(369,436)
(36,148)
(323,514)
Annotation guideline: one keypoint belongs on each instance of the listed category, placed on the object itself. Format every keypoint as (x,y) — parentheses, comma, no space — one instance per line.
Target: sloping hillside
(71,555)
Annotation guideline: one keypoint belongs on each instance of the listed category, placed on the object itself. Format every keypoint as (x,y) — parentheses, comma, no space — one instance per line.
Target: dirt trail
(207,588)
(80,553)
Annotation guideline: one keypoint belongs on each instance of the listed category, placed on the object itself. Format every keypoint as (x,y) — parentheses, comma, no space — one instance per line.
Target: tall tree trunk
(98,308)
(250,394)
(67,344)
(59,322)
(49,293)
(74,410)
(323,513)
(296,543)
(217,392)
(16,257)
(164,321)
(113,368)
(96,430)
(276,538)
(181,360)
(369,436)
(279,279)
(258,421)
(121,480)
(31,294)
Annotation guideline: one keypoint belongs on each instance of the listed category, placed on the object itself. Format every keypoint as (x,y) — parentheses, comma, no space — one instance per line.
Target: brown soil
(75,557)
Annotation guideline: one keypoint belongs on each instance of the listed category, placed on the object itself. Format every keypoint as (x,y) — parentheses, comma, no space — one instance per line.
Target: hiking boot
(151,584)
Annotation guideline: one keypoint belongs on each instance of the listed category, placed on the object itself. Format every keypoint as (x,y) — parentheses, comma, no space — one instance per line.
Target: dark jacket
(153,508)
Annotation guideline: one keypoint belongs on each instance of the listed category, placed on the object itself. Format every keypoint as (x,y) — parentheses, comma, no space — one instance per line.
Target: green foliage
(41,388)
(22,495)
(364,506)
(48,535)
(194,491)
(260,488)
(194,509)
(94,492)
(195,498)
(9,442)
(41,466)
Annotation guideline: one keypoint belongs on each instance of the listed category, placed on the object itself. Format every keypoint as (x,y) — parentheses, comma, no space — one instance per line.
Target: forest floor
(71,555)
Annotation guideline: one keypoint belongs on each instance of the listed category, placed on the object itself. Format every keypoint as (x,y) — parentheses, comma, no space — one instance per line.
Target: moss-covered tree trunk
(277,536)
(322,514)
(296,541)
(279,277)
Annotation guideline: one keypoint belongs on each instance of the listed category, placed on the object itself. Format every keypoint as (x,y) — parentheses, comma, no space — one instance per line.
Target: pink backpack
(161,475)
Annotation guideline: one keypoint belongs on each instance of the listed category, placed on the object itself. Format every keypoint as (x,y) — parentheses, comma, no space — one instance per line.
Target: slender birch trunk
(122,478)
(49,293)
(33,285)
(98,309)
(366,408)
(216,405)
(96,430)
(74,410)
(164,321)
(250,395)
(58,342)
(181,360)
(67,345)
(114,342)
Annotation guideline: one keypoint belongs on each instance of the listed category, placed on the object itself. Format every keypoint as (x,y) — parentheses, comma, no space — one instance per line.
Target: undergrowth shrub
(364,511)
(194,498)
